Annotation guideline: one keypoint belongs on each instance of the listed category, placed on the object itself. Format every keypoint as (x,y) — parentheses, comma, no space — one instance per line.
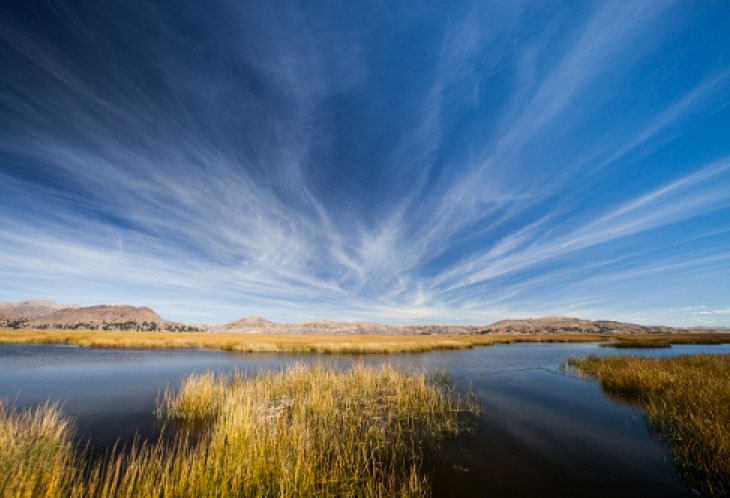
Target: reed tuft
(687,399)
(36,452)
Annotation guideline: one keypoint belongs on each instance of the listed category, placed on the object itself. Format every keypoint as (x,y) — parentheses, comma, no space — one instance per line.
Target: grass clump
(303,431)
(36,452)
(638,344)
(665,340)
(199,399)
(687,399)
(314,431)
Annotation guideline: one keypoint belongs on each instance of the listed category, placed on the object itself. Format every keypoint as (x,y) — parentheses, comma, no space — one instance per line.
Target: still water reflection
(543,432)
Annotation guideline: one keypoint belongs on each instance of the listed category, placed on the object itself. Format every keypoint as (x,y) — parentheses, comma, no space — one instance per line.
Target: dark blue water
(543,432)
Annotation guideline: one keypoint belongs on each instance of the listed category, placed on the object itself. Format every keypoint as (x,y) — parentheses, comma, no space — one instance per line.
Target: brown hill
(258,325)
(33,308)
(49,315)
(97,314)
(100,317)
(564,325)
(8,316)
(547,325)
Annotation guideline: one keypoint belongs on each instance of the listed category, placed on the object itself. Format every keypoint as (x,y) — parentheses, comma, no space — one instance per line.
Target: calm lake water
(543,432)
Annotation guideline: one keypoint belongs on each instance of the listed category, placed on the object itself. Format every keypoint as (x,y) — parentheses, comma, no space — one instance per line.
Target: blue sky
(399,162)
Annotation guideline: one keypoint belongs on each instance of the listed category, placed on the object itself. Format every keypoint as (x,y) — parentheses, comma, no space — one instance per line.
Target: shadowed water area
(542,431)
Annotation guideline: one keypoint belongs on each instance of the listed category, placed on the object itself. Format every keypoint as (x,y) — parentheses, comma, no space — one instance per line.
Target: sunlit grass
(264,343)
(687,399)
(332,344)
(36,452)
(665,340)
(303,431)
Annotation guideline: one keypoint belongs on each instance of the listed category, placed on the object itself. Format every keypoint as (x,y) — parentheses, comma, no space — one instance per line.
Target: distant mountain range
(49,315)
(32,309)
(255,324)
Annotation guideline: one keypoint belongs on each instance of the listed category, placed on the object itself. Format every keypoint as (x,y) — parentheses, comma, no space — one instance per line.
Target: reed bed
(332,344)
(687,399)
(303,431)
(265,343)
(665,340)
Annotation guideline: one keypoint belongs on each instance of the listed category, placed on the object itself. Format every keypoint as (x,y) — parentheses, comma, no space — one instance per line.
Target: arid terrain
(48,315)
(254,324)
(42,315)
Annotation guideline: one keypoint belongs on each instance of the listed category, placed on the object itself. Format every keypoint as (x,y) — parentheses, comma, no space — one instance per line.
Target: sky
(401,162)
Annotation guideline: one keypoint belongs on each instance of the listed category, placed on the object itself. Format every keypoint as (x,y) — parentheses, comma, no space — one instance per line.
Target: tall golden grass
(665,340)
(251,343)
(36,452)
(255,343)
(303,431)
(687,399)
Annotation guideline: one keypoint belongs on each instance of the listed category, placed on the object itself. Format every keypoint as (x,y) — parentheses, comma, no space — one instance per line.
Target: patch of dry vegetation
(36,452)
(304,431)
(265,343)
(686,398)
(666,340)
(332,344)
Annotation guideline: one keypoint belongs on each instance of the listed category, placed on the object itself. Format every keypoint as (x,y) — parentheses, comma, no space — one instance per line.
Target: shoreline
(334,344)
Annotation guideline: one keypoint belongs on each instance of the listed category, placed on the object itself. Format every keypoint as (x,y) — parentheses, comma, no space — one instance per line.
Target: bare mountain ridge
(547,325)
(8,316)
(257,325)
(100,317)
(565,325)
(49,315)
(32,308)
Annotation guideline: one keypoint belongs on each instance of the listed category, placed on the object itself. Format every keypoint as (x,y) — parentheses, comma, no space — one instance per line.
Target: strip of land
(687,399)
(46,315)
(350,344)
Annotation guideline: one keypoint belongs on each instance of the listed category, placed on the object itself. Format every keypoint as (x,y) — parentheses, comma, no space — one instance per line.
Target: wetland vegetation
(665,340)
(334,344)
(291,412)
(301,431)
(686,399)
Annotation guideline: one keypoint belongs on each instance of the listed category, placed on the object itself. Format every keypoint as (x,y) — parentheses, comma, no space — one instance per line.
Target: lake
(543,432)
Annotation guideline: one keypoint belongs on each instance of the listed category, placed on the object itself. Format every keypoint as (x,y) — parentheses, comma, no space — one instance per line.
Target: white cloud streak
(161,204)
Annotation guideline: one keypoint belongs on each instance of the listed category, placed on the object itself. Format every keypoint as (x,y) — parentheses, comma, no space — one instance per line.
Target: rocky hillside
(101,317)
(258,325)
(49,315)
(548,325)
(563,325)
(6,316)
(32,309)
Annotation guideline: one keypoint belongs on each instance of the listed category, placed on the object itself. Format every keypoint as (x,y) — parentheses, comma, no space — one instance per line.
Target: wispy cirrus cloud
(417,164)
